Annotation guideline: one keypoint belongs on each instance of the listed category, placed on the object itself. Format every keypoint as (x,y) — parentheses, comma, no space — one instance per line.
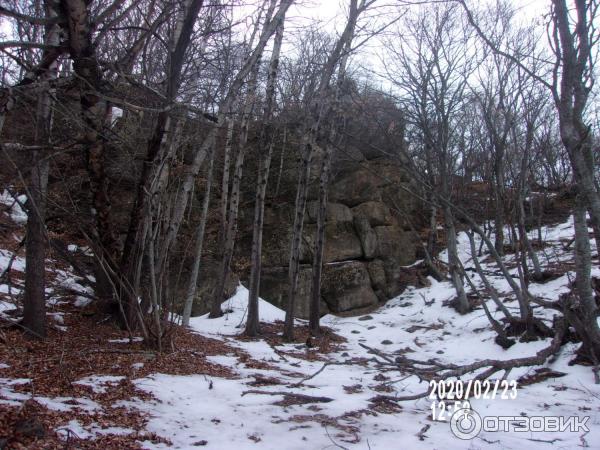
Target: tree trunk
(157,150)
(226,169)
(252,325)
(490,289)
(224,107)
(432,236)
(581,310)
(462,303)
(234,201)
(281,159)
(499,202)
(267,138)
(294,264)
(317,267)
(317,111)
(193,281)
(94,111)
(34,302)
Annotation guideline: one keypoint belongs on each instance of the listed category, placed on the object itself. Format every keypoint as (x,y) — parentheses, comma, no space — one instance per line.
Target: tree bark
(462,304)
(156,150)
(267,138)
(34,302)
(234,200)
(193,281)
(581,310)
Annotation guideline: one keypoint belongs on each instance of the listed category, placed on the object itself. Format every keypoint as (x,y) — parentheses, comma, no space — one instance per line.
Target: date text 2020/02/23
(451,395)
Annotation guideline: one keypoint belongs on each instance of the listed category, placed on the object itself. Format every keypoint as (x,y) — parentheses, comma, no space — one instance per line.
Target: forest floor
(90,386)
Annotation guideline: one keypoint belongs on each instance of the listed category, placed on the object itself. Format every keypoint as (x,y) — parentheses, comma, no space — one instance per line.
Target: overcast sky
(330,16)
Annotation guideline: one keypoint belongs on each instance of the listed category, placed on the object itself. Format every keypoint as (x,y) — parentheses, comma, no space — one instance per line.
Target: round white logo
(465,424)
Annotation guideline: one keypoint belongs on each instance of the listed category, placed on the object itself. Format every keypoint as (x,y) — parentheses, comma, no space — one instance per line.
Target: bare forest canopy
(192,143)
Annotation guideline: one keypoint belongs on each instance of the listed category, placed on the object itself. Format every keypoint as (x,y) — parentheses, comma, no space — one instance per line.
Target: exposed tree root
(432,369)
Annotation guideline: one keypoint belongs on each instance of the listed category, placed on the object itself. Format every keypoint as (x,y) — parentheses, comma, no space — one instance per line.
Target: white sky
(330,16)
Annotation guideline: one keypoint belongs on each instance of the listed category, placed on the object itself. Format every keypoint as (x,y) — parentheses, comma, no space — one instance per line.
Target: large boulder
(396,249)
(366,244)
(335,212)
(393,243)
(355,188)
(341,241)
(347,287)
(276,216)
(377,213)
(276,246)
(274,287)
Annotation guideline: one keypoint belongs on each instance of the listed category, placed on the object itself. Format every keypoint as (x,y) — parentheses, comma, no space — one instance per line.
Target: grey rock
(377,273)
(341,241)
(367,236)
(335,212)
(394,243)
(274,288)
(347,286)
(357,187)
(377,213)
(207,281)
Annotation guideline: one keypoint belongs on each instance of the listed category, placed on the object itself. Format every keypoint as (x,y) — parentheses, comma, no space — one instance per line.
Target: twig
(301,397)
(331,439)
(310,376)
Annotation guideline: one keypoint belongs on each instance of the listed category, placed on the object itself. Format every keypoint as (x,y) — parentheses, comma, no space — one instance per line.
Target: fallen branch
(432,369)
(294,385)
(329,363)
(289,396)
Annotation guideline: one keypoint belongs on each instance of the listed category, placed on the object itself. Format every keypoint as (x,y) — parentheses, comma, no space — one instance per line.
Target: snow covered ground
(194,411)
(200,411)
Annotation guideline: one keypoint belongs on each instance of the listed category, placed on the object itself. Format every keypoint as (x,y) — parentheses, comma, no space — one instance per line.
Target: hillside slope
(90,386)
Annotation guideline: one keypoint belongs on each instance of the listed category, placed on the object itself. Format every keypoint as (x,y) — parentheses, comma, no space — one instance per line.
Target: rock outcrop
(366,242)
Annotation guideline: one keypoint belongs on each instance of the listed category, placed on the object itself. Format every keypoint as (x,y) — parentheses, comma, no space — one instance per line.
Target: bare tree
(266,144)
(432,73)
(321,102)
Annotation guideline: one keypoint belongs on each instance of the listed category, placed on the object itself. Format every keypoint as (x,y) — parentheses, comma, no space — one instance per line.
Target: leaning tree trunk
(522,240)
(462,303)
(193,280)
(180,205)
(294,263)
(157,151)
(267,138)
